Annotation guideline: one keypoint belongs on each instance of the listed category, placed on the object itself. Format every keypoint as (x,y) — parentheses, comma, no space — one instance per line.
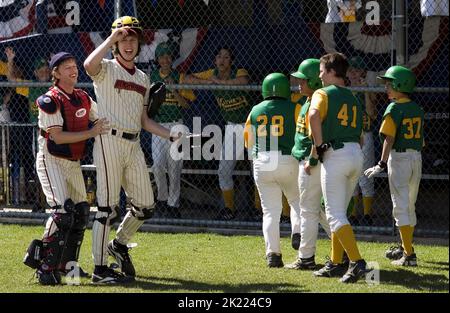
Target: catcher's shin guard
(76,234)
(33,257)
(55,238)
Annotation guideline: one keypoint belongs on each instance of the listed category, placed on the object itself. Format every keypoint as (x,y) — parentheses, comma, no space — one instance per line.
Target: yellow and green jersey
(403,120)
(367,123)
(170,110)
(271,121)
(340,113)
(234,104)
(302,141)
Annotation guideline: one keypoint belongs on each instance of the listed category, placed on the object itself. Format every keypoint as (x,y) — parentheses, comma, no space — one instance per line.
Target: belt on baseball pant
(124,135)
(405,150)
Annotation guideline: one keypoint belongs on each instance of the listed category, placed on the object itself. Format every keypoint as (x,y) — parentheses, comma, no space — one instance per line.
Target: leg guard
(34,254)
(105,217)
(132,222)
(76,234)
(142,213)
(55,238)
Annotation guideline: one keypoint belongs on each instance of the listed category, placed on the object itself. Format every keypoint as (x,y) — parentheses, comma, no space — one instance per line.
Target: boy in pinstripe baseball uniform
(64,114)
(335,119)
(402,131)
(122,92)
(269,134)
(170,115)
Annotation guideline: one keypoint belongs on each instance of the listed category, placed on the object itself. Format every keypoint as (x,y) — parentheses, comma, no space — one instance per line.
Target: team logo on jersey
(80,112)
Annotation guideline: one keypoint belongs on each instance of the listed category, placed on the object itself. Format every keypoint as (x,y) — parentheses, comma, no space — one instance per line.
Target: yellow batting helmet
(128,22)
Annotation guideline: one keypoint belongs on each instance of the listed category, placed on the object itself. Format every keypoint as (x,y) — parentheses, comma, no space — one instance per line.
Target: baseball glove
(156,97)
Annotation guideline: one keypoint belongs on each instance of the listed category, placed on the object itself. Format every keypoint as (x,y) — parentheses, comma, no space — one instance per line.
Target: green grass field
(176,263)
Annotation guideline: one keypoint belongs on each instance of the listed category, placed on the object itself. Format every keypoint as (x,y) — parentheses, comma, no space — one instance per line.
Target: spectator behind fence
(21,154)
(41,73)
(356,75)
(342,10)
(170,114)
(234,106)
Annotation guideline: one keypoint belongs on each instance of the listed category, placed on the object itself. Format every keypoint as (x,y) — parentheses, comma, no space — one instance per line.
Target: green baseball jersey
(32,96)
(408,118)
(234,104)
(302,142)
(343,122)
(273,120)
(170,109)
(367,123)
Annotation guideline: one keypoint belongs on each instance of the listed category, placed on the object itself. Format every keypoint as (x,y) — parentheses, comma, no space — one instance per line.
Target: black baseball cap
(59,58)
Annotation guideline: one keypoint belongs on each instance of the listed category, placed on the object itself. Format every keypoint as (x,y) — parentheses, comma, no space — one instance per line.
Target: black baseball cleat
(394,252)
(274,260)
(330,270)
(345,260)
(302,264)
(109,276)
(50,278)
(406,260)
(355,271)
(295,241)
(123,258)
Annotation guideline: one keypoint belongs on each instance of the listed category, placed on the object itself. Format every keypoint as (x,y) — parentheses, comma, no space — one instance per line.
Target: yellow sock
(257,200)
(367,203)
(355,206)
(286,208)
(348,241)
(228,198)
(337,250)
(406,233)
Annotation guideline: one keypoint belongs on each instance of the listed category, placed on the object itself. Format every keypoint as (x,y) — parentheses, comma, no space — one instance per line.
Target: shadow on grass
(439,266)
(412,280)
(174,284)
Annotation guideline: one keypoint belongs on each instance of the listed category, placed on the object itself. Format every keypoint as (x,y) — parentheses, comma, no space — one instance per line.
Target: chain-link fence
(210,45)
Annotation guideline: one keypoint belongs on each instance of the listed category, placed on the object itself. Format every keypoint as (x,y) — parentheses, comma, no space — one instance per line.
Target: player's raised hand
(10,53)
(101,127)
(118,34)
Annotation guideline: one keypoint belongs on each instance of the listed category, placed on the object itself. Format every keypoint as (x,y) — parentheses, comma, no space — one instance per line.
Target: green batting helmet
(276,85)
(402,78)
(309,70)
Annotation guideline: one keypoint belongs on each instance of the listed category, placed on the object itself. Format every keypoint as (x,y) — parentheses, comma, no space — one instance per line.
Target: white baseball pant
(232,151)
(162,163)
(119,162)
(311,213)
(272,181)
(340,171)
(404,174)
(60,179)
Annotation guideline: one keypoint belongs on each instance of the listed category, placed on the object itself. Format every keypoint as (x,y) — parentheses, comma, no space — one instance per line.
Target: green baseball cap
(356,62)
(40,62)
(162,49)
